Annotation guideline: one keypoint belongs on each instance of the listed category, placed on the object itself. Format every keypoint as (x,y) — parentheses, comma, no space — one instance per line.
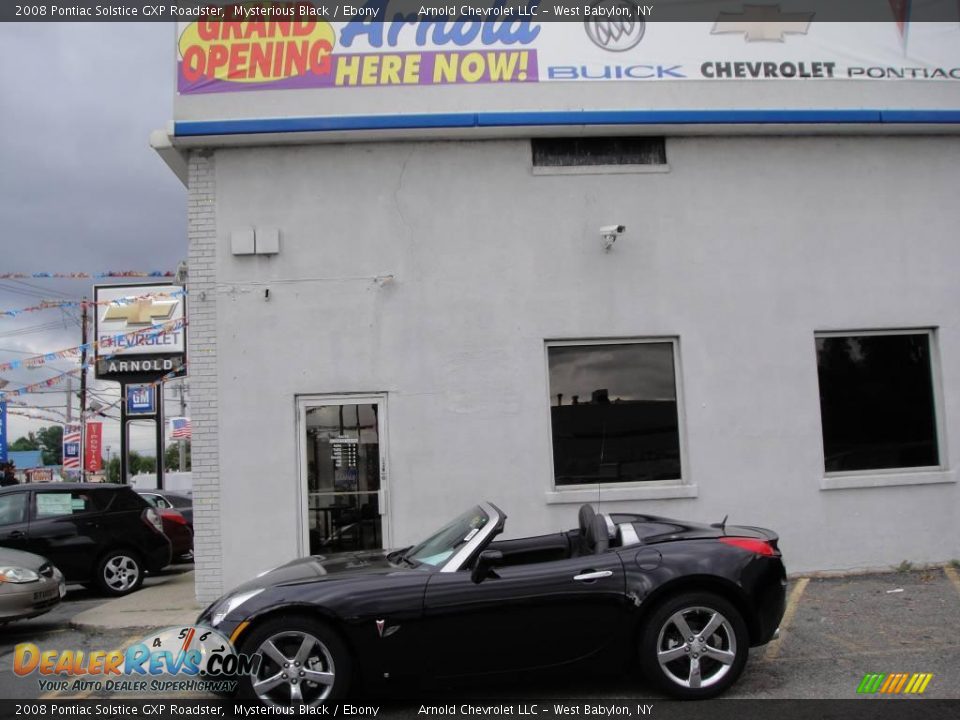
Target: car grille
(46,570)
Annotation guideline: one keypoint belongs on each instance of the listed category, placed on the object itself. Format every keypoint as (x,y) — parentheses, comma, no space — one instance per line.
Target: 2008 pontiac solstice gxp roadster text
(686,600)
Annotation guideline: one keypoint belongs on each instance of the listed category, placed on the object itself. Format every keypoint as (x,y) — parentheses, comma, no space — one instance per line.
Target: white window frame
(887,477)
(683,487)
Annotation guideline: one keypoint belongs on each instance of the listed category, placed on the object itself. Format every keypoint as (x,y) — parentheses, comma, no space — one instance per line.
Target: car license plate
(45,595)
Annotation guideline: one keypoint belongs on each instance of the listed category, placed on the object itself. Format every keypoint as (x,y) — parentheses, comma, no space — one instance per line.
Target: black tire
(327,655)
(119,572)
(719,656)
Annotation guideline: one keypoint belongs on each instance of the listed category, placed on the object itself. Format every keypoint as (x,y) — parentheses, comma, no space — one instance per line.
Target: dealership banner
(71,448)
(93,444)
(261,50)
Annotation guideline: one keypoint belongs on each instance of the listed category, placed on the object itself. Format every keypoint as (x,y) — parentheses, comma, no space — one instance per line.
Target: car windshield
(438,548)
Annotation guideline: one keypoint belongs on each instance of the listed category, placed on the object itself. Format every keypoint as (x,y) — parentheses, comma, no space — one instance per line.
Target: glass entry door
(343,461)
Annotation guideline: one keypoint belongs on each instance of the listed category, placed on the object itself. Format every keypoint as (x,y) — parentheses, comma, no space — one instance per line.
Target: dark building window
(877,401)
(580,152)
(613,410)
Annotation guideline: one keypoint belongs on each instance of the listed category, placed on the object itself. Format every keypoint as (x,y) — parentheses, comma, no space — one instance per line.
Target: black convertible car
(687,600)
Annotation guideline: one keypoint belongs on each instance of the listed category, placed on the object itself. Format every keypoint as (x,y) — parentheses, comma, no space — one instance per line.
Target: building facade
(699,320)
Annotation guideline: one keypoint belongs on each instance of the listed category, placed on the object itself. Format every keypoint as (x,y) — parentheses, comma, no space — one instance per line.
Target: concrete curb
(856,572)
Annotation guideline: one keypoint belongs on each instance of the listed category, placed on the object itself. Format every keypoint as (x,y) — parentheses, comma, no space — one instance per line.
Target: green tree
(171,458)
(29,442)
(136,463)
(51,443)
(113,470)
(142,464)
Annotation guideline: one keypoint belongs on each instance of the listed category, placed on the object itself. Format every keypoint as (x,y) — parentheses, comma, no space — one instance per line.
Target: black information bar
(539,11)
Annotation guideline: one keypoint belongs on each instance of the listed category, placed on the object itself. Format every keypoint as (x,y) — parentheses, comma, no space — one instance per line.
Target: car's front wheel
(302,662)
(119,572)
(694,645)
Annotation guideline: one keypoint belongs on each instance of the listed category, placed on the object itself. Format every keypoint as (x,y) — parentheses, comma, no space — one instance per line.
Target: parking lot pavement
(843,628)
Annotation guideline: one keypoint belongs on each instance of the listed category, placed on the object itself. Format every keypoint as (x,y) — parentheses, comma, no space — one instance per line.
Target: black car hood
(335,566)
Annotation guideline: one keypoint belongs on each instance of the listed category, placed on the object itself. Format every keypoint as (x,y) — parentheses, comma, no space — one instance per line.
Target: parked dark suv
(105,536)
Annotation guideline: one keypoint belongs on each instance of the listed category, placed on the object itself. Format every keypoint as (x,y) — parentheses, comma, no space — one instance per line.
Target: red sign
(93,459)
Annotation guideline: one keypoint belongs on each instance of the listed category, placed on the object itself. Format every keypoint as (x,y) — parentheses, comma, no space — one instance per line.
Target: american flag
(180,428)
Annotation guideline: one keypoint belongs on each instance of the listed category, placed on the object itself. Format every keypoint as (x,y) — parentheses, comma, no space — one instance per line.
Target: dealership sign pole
(140,362)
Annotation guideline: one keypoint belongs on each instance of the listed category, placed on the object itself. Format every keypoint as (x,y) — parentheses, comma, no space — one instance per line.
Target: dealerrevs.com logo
(188,658)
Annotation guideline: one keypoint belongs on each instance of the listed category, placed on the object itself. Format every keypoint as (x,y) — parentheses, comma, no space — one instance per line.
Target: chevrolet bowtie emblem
(142,312)
(763,23)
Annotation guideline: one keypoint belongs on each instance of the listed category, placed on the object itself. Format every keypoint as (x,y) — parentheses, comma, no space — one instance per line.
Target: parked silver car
(29,585)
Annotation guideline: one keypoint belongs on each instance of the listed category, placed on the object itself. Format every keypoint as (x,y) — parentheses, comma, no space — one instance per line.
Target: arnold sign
(140,330)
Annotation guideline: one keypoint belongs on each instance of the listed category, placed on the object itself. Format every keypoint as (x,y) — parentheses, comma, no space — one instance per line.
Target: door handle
(16,535)
(591,575)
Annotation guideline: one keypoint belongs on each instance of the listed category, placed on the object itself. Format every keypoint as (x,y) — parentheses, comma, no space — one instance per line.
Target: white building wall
(204,385)
(742,251)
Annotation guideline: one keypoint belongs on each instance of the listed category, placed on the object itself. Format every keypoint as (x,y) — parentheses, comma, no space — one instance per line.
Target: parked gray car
(29,585)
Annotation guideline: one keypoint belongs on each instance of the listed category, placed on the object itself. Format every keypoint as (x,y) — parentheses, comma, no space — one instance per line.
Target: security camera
(610,233)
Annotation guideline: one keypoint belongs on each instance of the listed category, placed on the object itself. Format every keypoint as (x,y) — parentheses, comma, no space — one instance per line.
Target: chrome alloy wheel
(295,668)
(696,647)
(121,572)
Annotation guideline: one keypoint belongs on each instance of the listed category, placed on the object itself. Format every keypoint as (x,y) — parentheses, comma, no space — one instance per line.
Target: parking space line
(53,694)
(773,649)
(952,576)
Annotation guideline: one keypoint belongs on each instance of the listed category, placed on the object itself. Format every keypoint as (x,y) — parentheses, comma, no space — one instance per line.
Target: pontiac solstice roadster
(685,600)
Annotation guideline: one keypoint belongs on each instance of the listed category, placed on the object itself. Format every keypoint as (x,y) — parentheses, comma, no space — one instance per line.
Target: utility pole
(181,442)
(84,309)
(69,399)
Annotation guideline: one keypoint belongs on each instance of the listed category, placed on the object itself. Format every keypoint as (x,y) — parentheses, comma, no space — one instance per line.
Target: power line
(46,291)
(21,291)
(30,329)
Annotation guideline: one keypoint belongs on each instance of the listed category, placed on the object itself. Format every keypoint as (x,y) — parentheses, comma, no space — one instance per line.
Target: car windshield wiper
(400,555)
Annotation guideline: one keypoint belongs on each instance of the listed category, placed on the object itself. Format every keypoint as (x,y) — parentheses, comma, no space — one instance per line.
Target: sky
(80,188)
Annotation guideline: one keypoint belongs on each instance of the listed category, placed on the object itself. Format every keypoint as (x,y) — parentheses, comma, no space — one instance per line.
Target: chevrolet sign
(140,330)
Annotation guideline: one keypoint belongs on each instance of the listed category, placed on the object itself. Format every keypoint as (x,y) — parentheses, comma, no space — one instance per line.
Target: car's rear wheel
(119,572)
(302,662)
(694,645)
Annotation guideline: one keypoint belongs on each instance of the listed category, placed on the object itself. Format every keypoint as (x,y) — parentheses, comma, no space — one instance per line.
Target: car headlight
(232,603)
(13,574)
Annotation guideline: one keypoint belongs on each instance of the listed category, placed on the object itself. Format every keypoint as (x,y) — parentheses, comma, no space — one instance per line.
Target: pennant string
(57,304)
(149,333)
(87,276)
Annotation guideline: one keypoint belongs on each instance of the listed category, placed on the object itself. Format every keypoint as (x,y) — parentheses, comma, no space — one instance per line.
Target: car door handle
(591,575)
(16,535)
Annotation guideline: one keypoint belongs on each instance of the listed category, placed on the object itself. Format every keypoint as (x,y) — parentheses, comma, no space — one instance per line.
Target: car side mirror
(485,563)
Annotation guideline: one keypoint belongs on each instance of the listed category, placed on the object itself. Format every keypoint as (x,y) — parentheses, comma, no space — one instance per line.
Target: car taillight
(174,516)
(760,547)
(151,518)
